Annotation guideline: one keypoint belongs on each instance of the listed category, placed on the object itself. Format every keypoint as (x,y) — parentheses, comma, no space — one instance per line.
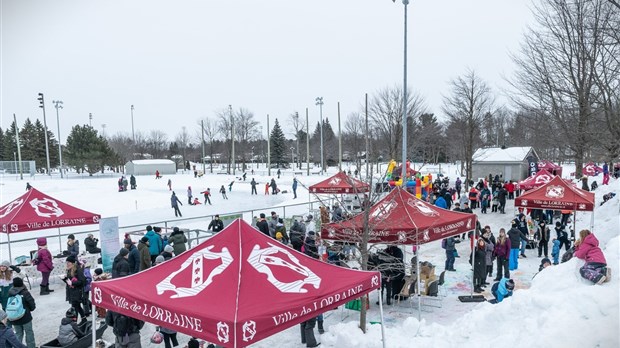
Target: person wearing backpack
(75,282)
(7,336)
(18,311)
(450,245)
(126,329)
(6,281)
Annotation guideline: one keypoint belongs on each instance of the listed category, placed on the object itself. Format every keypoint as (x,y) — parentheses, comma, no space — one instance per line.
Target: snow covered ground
(556,309)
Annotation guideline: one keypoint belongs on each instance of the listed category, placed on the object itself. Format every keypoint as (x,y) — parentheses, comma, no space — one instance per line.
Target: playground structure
(414,181)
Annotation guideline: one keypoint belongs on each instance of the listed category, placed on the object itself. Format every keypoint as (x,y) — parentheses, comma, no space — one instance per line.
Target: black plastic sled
(83,342)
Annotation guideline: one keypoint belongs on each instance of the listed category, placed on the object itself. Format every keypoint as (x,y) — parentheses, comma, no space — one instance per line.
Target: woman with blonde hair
(6,281)
(587,249)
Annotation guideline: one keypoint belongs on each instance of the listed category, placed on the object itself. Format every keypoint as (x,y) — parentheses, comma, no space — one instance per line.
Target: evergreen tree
(88,151)
(9,145)
(278,145)
(2,158)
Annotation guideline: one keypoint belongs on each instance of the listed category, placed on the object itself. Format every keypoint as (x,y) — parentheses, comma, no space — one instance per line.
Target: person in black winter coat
(263,225)
(134,256)
(75,282)
(216,224)
(119,322)
(480,265)
(73,246)
(397,268)
(544,236)
(562,235)
(7,336)
(120,266)
(310,247)
(23,325)
(502,193)
(90,243)
(516,236)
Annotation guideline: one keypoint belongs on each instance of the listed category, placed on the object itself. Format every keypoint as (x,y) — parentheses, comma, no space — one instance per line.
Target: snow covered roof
(152,161)
(497,154)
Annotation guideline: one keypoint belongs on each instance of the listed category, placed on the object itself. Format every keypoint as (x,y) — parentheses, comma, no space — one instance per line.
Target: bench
(316,173)
(221,173)
(298,173)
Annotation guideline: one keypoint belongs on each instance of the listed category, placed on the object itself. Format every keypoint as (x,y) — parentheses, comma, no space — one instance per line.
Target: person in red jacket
(473,197)
(510,187)
(587,249)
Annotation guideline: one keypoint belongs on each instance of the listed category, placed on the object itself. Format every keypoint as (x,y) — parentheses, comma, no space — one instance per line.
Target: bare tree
(469,101)
(557,68)
(298,127)
(122,144)
(157,143)
(246,129)
(386,115)
(354,136)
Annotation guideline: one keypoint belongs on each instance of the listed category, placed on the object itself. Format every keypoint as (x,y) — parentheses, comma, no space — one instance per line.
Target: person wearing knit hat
(7,333)
(43,261)
(178,241)
(167,253)
(159,259)
(75,281)
(6,278)
(23,325)
(120,266)
(145,255)
(193,343)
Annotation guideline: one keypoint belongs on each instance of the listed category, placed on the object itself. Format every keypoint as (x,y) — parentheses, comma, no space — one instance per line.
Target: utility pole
(339,141)
(232,138)
(319,102)
(202,135)
(58,105)
(268,149)
(19,150)
(47,148)
(307,145)
(133,134)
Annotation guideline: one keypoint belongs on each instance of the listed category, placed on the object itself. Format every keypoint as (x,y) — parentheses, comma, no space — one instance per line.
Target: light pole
(404,158)
(319,102)
(47,149)
(292,156)
(252,157)
(232,137)
(90,119)
(297,137)
(133,135)
(58,105)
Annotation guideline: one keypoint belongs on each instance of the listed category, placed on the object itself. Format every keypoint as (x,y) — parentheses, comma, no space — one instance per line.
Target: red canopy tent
(402,218)
(591,169)
(550,167)
(234,289)
(34,210)
(537,180)
(339,184)
(557,194)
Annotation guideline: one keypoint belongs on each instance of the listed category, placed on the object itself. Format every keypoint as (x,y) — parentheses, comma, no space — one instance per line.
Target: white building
(511,162)
(150,166)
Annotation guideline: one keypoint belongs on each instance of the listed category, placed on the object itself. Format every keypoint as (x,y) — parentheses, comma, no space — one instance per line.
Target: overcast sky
(180,61)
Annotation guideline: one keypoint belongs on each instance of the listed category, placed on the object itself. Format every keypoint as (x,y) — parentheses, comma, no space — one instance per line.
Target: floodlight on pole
(319,102)
(41,99)
(58,105)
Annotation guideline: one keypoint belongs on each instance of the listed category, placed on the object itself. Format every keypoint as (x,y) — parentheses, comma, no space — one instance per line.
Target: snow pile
(560,309)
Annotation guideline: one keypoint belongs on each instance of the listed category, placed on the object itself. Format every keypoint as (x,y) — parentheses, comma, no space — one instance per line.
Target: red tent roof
(537,180)
(234,289)
(550,167)
(591,169)
(34,210)
(402,218)
(557,194)
(340,183)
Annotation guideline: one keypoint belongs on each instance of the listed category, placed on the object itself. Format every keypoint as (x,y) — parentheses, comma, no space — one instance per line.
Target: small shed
(512,163)
(149,166)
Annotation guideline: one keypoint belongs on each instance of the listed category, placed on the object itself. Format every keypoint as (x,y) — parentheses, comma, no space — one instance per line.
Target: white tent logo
(402,236)
(334,181)
(198,282)
(46,207)
(97,295)
(543,179)
(426,236)
(384,209)
(10,207)
(555,191)
(223,332)
(422,208)
(249,330)
(266,261)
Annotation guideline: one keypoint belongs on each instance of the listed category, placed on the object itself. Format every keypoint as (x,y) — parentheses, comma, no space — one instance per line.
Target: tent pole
(417,266)
(380,312)
(473,261)
(93,324)
(59,241)
(8,240)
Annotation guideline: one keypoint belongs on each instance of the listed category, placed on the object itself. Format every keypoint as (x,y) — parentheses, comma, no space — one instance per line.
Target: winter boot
(607,274)
(43,291)
(320,325)
(47,287)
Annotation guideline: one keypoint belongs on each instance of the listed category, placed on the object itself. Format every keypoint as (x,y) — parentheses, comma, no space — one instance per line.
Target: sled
(83,342)
(472,298)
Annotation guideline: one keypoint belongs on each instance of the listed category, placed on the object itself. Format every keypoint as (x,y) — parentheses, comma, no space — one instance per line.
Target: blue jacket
(499,290)
(7,335)
(556,248)
(294,184)
(441,203)
(155,243)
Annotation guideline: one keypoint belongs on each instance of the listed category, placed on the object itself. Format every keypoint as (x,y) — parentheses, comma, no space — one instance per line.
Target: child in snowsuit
(595,269)
(555,251)
(502,289)
(223,192)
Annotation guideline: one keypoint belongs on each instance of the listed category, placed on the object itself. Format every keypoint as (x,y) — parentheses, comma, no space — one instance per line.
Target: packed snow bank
(560,309)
